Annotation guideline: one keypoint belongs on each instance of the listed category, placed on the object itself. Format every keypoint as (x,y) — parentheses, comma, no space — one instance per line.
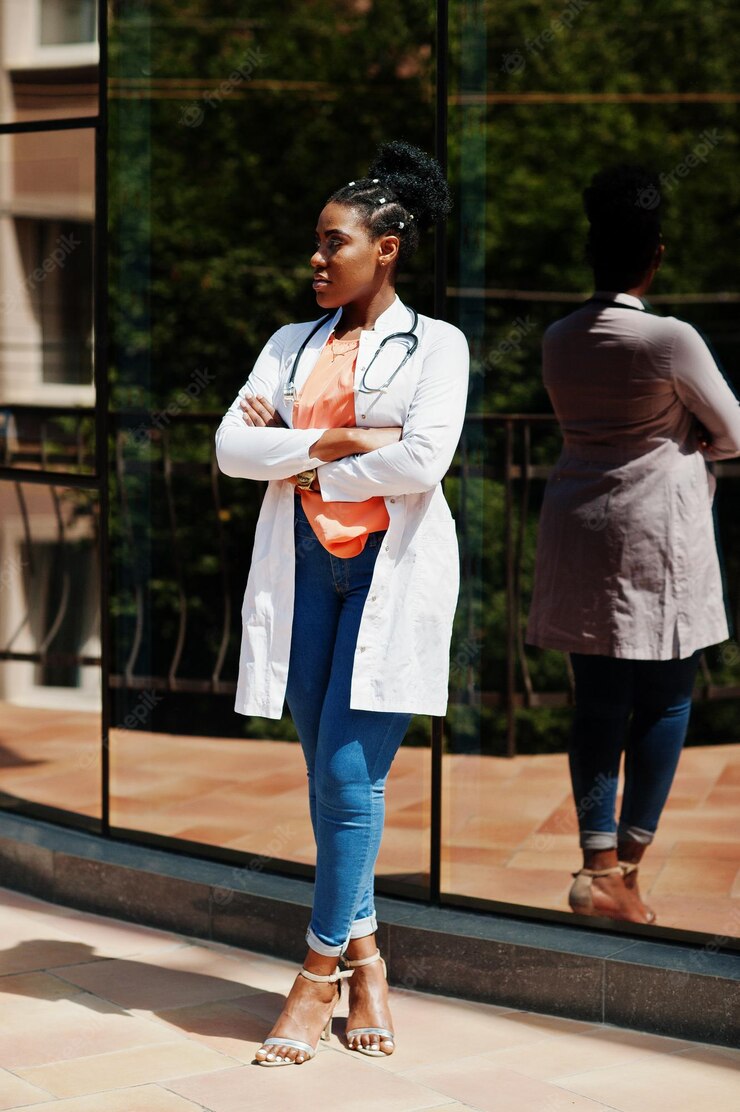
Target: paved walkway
(101,1015)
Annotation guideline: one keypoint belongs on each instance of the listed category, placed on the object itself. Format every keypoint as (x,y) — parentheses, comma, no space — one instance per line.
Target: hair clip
(350,183)
(401,224)
(375,181)
(381,200)
(411,216)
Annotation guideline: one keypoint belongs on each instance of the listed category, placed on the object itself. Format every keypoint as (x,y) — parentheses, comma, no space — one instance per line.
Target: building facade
(162,167)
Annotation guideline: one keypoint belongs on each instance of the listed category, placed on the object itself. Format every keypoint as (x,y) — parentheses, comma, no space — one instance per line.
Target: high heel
(308,1050)
(384,1034)
(580,897)
(628,867)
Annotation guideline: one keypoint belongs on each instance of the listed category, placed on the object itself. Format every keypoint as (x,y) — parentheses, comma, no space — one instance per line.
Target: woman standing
(353,420)
(627,574)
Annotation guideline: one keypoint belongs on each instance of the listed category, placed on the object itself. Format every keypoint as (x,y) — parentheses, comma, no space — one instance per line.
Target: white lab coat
(401,661)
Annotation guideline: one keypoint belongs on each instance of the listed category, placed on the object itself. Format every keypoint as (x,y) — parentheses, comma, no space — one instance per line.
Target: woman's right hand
(258,411)
(370,439)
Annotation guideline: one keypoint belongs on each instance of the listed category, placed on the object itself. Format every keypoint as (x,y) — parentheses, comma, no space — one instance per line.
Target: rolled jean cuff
(362,927)
(324,948)
(635,834)
(598,839)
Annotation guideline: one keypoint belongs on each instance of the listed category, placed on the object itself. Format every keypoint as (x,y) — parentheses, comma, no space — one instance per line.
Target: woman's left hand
(259,412)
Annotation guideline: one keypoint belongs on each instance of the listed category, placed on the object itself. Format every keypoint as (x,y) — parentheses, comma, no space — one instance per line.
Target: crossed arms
(353,464)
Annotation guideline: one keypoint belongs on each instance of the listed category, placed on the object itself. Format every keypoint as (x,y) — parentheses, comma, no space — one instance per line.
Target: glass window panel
(250,794)
(49,59)
(186,89)
(50,648)
(48,438)
(536,106)
(67,21)
(46,268)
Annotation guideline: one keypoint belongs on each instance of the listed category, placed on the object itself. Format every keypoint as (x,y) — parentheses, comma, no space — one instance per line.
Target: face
(347,264)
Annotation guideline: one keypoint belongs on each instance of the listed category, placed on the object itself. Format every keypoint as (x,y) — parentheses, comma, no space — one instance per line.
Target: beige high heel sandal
(308,1050)
(384,1034)
(580,897)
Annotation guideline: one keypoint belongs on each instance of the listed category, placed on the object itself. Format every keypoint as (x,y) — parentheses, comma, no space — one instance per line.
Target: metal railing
(520,470)
(52,445)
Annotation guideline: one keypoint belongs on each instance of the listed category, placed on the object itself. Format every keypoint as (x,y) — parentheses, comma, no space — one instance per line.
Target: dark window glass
(539,100)
(227,136)
(67,21)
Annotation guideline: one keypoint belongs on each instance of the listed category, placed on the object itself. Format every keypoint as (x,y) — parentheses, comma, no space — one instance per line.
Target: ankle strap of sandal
(601,872)
(337,975)
(362,961)
(628,867)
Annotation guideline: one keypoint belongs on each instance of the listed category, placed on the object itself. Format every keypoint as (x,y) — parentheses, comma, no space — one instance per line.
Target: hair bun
(416,179)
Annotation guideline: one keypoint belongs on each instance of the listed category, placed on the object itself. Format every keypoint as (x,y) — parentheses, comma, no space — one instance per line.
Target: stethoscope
(409,338)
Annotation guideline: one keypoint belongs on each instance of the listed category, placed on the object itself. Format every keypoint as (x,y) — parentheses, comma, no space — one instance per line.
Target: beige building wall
(47,194)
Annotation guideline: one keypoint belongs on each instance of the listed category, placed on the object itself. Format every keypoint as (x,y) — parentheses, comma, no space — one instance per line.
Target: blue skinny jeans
(348,752)
(643,708)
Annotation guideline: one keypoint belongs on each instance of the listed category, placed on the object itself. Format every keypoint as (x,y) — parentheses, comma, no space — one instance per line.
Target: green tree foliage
(231,121)
(542,96)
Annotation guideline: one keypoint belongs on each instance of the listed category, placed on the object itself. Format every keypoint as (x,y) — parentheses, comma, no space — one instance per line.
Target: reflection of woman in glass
(348,611)
(627,574)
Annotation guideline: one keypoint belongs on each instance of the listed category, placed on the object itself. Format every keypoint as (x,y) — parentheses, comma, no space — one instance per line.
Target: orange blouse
(327,401)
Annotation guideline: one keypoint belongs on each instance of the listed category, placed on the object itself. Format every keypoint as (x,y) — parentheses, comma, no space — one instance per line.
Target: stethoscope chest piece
(410,339)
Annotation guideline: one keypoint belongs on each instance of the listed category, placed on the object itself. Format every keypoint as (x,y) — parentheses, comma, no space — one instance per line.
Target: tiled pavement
(101,1015)
(509,824)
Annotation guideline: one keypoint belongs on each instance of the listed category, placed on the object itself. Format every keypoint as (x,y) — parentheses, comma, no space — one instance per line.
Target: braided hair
(623,206)
(405,191)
